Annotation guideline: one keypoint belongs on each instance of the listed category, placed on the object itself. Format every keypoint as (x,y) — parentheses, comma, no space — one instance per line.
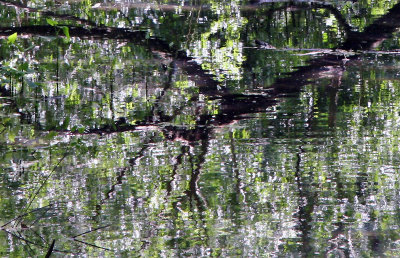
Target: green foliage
(51,22)
(12,38)
(65,29)
(66,32)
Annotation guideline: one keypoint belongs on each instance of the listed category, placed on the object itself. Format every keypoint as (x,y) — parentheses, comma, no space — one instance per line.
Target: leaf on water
(11,137)
(51,22)
(66,32)
(12,38)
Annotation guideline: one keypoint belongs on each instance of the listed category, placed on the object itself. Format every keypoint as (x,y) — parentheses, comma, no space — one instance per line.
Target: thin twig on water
(43,183)
(90,231)
(92,245)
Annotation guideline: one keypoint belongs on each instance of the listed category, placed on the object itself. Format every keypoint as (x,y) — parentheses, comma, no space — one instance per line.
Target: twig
(47,178)
(23,215)
(28,244)
(89,231)
(83,242)
(33,243)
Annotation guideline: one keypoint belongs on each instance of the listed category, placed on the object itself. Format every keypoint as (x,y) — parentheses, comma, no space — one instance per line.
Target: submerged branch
(156,45)
(374,34)
(296,6)
(74,31)
(333,65)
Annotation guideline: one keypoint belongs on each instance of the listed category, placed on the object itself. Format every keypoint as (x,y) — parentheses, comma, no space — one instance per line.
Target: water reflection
(166,132)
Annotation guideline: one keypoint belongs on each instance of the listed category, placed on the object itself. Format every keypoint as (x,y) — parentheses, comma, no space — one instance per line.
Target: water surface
(200,128)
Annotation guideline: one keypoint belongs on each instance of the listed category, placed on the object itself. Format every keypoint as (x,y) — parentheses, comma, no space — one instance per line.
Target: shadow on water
(233,107)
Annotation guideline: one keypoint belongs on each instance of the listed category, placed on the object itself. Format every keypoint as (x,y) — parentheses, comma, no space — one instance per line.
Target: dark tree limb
(374,34)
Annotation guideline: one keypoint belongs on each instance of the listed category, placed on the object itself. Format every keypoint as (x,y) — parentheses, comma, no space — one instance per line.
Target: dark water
(200,128)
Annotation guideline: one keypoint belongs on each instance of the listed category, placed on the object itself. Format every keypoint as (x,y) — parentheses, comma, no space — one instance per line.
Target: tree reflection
(125,124)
